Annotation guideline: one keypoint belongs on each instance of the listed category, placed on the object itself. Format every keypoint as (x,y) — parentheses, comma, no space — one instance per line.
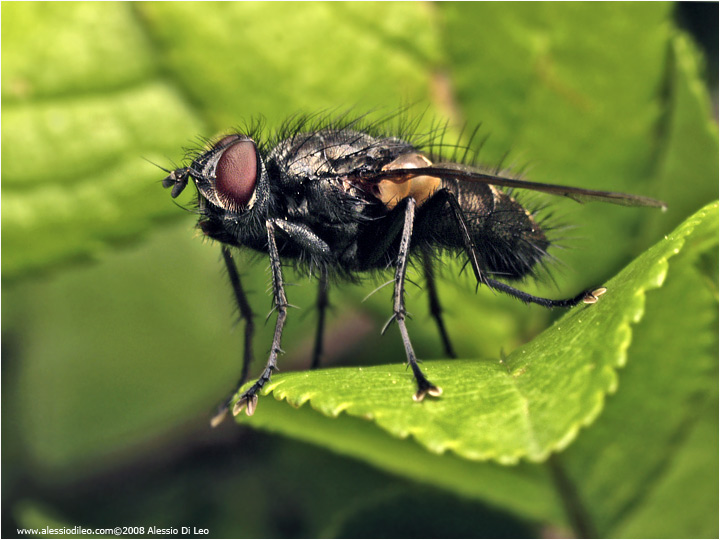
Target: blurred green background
(117,327)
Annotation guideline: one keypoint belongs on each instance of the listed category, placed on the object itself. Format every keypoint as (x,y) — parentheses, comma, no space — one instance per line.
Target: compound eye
(236,173)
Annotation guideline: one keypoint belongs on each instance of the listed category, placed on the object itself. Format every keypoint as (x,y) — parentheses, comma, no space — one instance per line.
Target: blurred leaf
(75,131)
(682,164)
(34,515)
(683,498)
(424,514)
(238,60)
(94,50)
(117,91)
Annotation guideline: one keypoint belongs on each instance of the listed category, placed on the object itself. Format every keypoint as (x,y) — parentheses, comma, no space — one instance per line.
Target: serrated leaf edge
(662,266)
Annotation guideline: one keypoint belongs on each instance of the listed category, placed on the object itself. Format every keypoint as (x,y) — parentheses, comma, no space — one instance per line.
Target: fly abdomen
(508,240)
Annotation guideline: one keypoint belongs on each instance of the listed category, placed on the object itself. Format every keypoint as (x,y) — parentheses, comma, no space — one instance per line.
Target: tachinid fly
(342,198)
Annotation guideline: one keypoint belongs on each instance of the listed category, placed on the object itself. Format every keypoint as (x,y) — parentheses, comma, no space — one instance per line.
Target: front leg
(249,397)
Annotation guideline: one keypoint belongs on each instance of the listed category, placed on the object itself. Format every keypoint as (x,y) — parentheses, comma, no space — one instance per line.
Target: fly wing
(464,173)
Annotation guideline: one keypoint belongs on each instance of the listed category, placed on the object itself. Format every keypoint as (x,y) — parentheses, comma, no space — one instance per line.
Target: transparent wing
(465,173)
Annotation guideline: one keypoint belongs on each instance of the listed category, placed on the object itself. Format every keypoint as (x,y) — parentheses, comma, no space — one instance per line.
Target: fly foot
(247,401)
(592,296)
(425,388)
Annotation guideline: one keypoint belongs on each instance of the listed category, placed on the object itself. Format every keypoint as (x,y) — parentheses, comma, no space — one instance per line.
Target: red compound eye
(236,173)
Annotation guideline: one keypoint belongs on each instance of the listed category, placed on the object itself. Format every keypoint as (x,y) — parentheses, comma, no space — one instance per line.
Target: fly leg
(249,397)
(322,305)
(435,307)
(424,386)
(247,315)
(589,296)
(319,250)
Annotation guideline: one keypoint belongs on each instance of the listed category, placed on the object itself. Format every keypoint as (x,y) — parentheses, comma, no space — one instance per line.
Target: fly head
(233,189)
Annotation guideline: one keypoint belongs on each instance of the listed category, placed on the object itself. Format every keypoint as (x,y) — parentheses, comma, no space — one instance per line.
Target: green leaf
(681,156)
(33,515)
(528,405)
(683,499)
(421,513)
(236,61)
(666,394)
(76,131)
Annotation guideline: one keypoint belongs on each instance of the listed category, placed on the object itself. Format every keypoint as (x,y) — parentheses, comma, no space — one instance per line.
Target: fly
(342,199)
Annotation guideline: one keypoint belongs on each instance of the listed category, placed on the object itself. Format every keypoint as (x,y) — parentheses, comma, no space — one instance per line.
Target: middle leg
(399,313)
